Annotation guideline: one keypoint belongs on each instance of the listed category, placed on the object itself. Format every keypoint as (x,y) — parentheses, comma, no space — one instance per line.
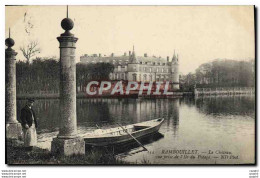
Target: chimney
(129,53)
(145,54)
(168,58)
(99,55)
(112,54)
(124,53)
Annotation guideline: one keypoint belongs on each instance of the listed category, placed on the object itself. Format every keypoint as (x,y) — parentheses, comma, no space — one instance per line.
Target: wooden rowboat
(118,135)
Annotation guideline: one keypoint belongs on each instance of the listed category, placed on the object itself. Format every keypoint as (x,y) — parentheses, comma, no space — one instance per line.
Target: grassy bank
(16,154)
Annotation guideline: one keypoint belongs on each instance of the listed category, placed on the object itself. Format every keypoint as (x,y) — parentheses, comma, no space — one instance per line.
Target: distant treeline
(42,75)
(221,73)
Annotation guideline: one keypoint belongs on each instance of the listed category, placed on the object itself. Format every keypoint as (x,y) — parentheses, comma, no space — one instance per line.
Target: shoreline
(83,95)
(17,155)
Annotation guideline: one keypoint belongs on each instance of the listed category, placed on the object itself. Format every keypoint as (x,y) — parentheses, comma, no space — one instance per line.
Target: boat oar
(132,137)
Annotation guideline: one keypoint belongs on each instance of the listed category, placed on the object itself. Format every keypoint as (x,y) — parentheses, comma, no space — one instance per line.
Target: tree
(222,73)
(43,75)
(30,50)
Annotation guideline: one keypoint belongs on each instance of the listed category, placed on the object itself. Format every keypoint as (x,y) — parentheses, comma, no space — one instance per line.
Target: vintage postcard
(130,85)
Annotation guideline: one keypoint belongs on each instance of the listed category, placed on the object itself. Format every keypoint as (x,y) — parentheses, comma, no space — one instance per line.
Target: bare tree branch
(30,50)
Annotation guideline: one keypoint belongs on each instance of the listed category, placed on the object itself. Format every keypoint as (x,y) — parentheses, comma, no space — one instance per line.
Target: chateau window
(144,77)
(151,78)
(157,78)
(145,62)
(119,68)
(141,63)
(144,68)
(153,63)
(150,69)
(157,69)
(163,78)
(134,77)
(158,63)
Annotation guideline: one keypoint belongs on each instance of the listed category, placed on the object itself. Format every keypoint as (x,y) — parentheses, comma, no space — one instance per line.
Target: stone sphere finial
(9,42)
(67,24)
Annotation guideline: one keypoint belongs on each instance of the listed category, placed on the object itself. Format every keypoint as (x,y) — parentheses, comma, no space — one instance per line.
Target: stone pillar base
(14,131)
(68,147)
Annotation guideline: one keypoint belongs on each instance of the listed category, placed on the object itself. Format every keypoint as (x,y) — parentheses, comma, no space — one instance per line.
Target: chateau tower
(175,72)
(132,67)
(132,57)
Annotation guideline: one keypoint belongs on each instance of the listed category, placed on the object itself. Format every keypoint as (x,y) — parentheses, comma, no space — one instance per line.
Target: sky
(198,34)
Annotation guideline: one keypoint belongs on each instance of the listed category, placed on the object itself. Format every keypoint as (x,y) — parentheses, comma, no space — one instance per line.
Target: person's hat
(31,100)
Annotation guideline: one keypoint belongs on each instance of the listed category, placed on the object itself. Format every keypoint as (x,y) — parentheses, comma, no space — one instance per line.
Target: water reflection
(227,105)
(107,112)
(225,122)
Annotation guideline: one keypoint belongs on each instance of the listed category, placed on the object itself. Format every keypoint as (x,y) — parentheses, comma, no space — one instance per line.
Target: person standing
(29,124)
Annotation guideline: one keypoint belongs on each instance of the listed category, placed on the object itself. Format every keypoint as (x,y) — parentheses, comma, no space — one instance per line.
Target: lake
(204,130)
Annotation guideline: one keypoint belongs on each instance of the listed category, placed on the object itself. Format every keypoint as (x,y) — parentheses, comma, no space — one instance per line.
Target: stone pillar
(68,114)
(13,127)
(67,142)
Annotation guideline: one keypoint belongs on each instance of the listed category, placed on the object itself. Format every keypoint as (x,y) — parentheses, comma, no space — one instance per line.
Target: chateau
(140,68)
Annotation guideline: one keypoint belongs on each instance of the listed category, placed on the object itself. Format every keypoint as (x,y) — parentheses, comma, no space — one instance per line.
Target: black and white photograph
(130,85)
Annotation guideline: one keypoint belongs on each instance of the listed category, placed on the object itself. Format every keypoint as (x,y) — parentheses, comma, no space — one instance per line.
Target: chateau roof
(122,59)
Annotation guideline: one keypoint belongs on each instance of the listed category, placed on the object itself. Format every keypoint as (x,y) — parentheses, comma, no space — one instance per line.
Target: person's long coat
(26,117)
